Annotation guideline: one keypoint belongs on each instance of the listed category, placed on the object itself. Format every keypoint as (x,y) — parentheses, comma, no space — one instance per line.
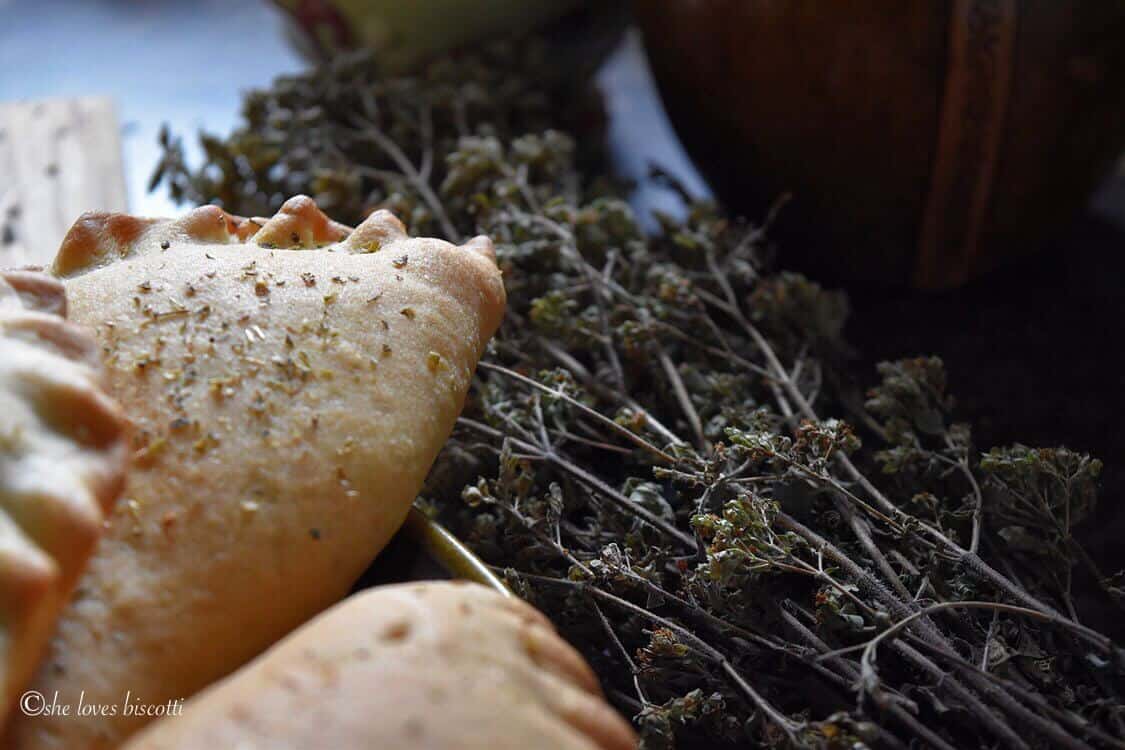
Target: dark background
(1034,354)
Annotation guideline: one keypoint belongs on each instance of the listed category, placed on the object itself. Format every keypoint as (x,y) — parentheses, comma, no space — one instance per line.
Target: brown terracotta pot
(923,141)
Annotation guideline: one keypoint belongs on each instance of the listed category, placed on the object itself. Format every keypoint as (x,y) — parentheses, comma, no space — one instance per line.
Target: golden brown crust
(288,404)
(381,228)
(436,665)
(98,239)
(34,291)
(299,224)
(62,461)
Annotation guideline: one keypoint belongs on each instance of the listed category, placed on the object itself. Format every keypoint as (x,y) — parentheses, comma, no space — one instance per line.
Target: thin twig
(391,149)
(682,397)
(903,715)
(593,413)
(869,647)
(588,479)
(696,643)
(624,654)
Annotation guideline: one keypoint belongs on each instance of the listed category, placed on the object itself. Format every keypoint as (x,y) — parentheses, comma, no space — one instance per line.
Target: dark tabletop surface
(1034,351)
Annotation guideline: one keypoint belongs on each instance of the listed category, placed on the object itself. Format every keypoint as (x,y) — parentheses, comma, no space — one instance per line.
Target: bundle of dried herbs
(661,453)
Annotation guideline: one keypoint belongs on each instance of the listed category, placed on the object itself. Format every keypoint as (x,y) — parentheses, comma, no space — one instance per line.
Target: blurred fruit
(923,142)
(406,33)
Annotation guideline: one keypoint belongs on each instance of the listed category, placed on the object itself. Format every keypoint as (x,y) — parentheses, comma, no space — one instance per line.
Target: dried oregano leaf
(659,450)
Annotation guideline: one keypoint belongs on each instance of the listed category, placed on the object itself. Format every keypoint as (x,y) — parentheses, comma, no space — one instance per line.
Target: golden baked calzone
(62,462)
(290,382)
(422,665)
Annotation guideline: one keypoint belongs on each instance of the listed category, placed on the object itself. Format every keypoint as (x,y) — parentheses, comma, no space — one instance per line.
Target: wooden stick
(58,159)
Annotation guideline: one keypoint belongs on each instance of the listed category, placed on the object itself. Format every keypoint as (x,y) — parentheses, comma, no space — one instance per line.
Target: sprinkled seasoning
(133,508)
(400,262)
(205,443)
(407,312)
(147,454)
(219,389)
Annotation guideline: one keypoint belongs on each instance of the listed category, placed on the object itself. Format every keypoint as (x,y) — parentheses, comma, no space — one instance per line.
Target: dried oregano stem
(646,453)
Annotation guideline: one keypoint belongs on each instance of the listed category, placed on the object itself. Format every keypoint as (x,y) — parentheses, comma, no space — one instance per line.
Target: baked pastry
(430,665)
(62,463)
(290,381)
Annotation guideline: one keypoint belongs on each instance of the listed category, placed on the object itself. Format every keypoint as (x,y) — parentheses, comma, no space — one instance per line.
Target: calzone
(290,381)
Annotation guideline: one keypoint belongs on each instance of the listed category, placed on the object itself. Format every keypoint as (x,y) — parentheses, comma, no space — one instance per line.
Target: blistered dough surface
(423,665)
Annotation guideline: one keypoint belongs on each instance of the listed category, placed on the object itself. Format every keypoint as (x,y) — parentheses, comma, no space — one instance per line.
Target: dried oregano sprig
(654,453)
